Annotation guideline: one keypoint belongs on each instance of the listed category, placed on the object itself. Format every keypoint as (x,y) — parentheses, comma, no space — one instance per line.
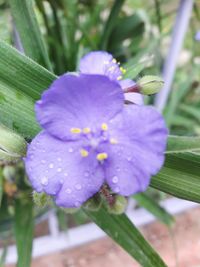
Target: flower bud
(12,145)
(119,206)
(150,84)
(93,204)
(41,199)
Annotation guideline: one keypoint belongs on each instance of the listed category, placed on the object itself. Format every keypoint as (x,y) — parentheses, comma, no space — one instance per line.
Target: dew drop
(68,191)
(51,166)
(78,186)
(43,150)
(129,158)
(70,150)
(59,170)
(86,174)
(65,174)
(44,181)
(115,179)
(61,181)
(43,161)
(116,189)
(77,204)
(59,159)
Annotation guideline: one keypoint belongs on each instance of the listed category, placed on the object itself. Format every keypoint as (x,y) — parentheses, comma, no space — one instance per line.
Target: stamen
(114,60)
(123,70)
(113,141)
(86,130)
(102,156)
(84,153)
(119,78)
(104,126)
(75,130)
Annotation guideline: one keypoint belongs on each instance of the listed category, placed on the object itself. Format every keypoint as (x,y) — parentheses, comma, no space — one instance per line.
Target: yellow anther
(113,141)
(123,70)
(114,60)
(84,153)
(75,130)
(86,130)
(102,156)
(104,126)
(119,78)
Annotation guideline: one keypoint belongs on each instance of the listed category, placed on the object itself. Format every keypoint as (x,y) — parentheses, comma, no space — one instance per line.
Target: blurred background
(140,35)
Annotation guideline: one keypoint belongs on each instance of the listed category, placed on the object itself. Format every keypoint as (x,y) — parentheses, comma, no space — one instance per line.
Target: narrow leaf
(153,207)
(30,35)
(180,176)
(123,231)
(1,186)
(181,144)
(110,23)
(24,225)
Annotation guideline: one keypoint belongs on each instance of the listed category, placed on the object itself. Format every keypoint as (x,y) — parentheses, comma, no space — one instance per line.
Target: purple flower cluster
(90,137)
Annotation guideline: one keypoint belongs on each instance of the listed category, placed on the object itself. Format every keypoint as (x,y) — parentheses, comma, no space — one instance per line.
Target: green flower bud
(119,206)
(9,173)
(150,84)
(41,199)
(12,145)
(93,204)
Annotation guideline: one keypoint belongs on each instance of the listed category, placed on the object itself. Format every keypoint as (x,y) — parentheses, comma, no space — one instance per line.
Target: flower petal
(141,134)
(78,102)
(100,62)
(57,168)
(136,98)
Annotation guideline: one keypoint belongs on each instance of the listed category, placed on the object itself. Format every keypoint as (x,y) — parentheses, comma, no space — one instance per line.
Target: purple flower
(103,63)
(90,138)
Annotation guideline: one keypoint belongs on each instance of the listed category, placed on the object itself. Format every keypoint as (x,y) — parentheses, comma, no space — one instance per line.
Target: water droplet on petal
(77,204)
(78,186)
(59,159)
(43,150)
(43,161)
(51,166)
(116,189)
(86,174)
(65,174)
(61,181)
(129,158)
(70,150)
(68,191)
(59,170)
(115,179)
(44,181)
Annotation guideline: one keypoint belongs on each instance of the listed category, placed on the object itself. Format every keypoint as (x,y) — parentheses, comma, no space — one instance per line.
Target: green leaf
(110,23)
(181,144)
(24,226)
(1,186)
(133,71)
(180,176)
(28,28)
(191,111)
(21,83)
(153,207)
(123,231)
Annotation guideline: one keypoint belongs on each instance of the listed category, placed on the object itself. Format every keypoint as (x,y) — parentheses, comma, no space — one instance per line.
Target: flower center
(94,141)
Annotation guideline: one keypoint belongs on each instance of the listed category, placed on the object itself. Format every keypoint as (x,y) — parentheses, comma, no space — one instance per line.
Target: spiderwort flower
(90,138)
(101,62)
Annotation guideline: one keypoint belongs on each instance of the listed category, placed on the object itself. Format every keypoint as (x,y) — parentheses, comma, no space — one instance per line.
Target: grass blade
(28,28)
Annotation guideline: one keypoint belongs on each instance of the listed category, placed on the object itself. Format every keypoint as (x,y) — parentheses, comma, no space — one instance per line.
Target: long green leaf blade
(28,28)
(153,207)
(181,144)
(180,176)
(121,229)
(1,186)
(24,225)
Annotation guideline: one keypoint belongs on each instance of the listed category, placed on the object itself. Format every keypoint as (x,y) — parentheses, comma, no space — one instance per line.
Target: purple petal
(57,168)
(197,36)
(100,62)
(141,134)
(78,102)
